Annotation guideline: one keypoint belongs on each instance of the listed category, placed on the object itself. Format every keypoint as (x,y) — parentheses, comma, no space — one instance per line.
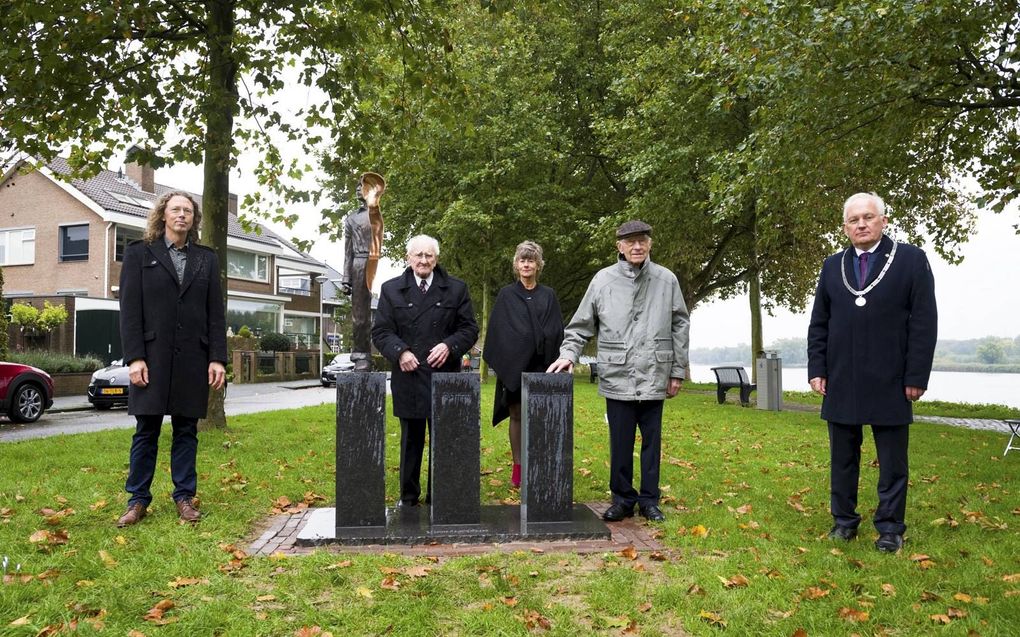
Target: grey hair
(529,250)
(875,200)
(423,238)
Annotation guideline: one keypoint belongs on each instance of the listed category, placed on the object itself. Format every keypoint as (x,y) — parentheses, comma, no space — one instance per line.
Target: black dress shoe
(618,512)
(844,533)
(652,513)
(406,504)
(889,542)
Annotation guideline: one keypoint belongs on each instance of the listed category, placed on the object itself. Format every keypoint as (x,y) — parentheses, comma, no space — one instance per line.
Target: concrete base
(411,525)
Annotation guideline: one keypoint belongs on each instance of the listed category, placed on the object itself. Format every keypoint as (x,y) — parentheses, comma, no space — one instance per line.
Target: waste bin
(769,368)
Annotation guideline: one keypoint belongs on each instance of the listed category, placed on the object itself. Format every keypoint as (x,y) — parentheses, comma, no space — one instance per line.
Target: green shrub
(244,332)
(54,363)
(274,342)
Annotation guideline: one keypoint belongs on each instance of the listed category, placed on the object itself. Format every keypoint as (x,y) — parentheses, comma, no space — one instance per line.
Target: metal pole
(321,280)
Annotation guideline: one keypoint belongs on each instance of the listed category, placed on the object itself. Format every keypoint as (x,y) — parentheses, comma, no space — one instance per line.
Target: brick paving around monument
(279,535)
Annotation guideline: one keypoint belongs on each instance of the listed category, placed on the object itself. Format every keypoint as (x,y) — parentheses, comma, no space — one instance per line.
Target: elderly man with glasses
(423,325)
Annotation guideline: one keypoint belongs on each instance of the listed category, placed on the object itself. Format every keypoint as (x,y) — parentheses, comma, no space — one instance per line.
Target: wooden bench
(728,378)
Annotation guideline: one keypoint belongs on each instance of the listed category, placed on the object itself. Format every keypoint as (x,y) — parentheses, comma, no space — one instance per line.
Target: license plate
(112,391)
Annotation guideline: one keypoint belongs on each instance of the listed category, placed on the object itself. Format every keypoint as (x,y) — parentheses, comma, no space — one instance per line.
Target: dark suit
(406,320)
(868,355)
(177,328)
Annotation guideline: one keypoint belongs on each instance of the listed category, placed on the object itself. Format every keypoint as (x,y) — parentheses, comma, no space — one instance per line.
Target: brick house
(63,242)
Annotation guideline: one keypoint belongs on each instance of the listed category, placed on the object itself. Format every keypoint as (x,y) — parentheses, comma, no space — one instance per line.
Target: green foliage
(275,342)
(991,351)
(754,482)
(56,363)
(37,322)
(244,332)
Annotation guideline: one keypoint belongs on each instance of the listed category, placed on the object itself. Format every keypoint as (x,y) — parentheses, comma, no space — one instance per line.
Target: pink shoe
(515,477)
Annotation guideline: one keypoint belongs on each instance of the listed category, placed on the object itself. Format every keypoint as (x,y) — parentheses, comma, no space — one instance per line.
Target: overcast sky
(979,297)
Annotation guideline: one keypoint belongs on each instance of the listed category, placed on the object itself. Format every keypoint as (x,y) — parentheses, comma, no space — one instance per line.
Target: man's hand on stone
(560,365)
(408,361)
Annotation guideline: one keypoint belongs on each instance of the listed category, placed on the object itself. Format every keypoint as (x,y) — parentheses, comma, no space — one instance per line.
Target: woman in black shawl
(524,335)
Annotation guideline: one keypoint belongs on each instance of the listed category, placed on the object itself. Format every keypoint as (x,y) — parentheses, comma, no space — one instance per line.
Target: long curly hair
(155,228)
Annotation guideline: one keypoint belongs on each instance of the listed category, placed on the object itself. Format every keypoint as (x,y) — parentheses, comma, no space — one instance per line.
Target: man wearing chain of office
(871,342)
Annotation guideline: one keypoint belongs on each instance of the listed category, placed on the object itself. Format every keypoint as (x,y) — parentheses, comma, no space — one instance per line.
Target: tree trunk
(754,289)
(220,104)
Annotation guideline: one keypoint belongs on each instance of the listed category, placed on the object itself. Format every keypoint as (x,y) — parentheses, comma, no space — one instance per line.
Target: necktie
(864,268)
(424,288)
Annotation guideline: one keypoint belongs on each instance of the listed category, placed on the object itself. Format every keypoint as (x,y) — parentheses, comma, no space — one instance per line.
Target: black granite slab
(456,449)
(360,446)
(547,449)
(412,525)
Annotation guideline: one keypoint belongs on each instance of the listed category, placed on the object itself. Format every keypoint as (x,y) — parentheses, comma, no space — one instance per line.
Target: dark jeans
(891,443)
(144,448)
(412,444)
(625,417)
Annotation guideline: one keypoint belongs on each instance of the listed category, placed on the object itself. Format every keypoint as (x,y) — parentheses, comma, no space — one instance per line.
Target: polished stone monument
(547,459)
(456,449)
(360,446)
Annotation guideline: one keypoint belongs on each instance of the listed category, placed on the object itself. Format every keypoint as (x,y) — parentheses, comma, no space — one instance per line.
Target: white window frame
(257,256)
(5,238)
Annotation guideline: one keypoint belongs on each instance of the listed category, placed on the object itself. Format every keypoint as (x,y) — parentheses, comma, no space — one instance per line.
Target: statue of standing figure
(363,235)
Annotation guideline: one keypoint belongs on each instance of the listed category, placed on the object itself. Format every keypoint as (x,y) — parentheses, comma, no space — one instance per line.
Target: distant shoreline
(945,367)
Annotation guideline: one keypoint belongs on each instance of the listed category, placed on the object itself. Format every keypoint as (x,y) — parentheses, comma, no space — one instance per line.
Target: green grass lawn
(746,498)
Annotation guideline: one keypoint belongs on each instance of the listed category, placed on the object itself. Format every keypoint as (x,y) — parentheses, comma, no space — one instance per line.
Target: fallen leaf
(630,553)
(928,596)
(714,619)
(107,559)
(156,612)
(853,615)
(533,620)
(737,581)
(657,556)
(510,601)
(616,622)
(699,531)
(343,564)
(813,592)
(265,598)
(694,589)
(941,619)
(1012,579)
(417,571)
(644,608)
(121,540)
(21,621)
(888,590)
(308,631)
(97,505)
(924,565)
(800,632)
(962,597)
(956,613)
(363,592)
(135,633)
(919,557)
(390,583)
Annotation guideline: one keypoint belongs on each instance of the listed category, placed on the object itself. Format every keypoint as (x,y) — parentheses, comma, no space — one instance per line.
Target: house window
(125,235)
(17,246)
(247,265)
(259,317)
(74,243)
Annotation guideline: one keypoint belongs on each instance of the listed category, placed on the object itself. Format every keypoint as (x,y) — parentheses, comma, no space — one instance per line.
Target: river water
(957,387)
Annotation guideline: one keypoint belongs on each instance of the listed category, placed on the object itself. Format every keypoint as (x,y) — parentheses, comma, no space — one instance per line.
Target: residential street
(71,415)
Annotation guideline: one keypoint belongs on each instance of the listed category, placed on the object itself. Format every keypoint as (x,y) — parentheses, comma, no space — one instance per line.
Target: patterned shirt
(179,256)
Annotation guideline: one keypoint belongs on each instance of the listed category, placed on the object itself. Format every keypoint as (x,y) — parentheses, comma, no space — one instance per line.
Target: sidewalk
(81,403)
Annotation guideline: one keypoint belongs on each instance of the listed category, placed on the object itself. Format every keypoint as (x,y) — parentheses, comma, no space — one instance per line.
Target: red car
(25,392)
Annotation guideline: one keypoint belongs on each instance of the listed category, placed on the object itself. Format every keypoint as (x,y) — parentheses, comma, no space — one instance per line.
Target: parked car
(25,392)
(109,386)
(341,363)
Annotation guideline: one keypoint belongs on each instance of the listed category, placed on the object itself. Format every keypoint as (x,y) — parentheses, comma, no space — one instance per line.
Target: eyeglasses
(638,240)
(422,256)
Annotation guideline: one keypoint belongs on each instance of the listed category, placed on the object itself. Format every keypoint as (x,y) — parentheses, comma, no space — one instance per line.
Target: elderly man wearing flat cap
(636,310)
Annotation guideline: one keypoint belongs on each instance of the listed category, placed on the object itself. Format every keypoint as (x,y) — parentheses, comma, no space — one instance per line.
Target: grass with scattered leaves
(745,493)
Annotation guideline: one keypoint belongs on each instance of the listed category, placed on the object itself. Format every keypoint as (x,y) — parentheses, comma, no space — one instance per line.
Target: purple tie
(423,287)
(864,268)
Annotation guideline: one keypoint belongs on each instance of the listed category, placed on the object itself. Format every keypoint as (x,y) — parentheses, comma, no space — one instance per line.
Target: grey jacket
(642,324)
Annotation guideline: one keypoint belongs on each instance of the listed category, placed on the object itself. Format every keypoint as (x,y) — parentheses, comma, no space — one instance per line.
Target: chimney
(142,174)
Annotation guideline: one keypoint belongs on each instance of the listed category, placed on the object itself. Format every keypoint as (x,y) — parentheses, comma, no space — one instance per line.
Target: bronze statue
(363,234)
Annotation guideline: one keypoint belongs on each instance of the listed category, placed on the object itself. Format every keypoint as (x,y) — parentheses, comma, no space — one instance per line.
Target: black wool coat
(177,328)
(869,354)
(525,330)
(406,320)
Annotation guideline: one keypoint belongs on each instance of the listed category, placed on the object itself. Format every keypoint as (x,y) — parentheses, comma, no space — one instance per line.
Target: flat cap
(632,227)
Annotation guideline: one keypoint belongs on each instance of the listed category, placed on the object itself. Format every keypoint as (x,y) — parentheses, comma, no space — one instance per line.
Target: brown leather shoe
(133,515)
(187,511)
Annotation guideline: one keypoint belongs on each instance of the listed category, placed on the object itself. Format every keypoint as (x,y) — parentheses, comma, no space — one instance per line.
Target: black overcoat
(177,328)
(407,320)
(525,328)
(869,354)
